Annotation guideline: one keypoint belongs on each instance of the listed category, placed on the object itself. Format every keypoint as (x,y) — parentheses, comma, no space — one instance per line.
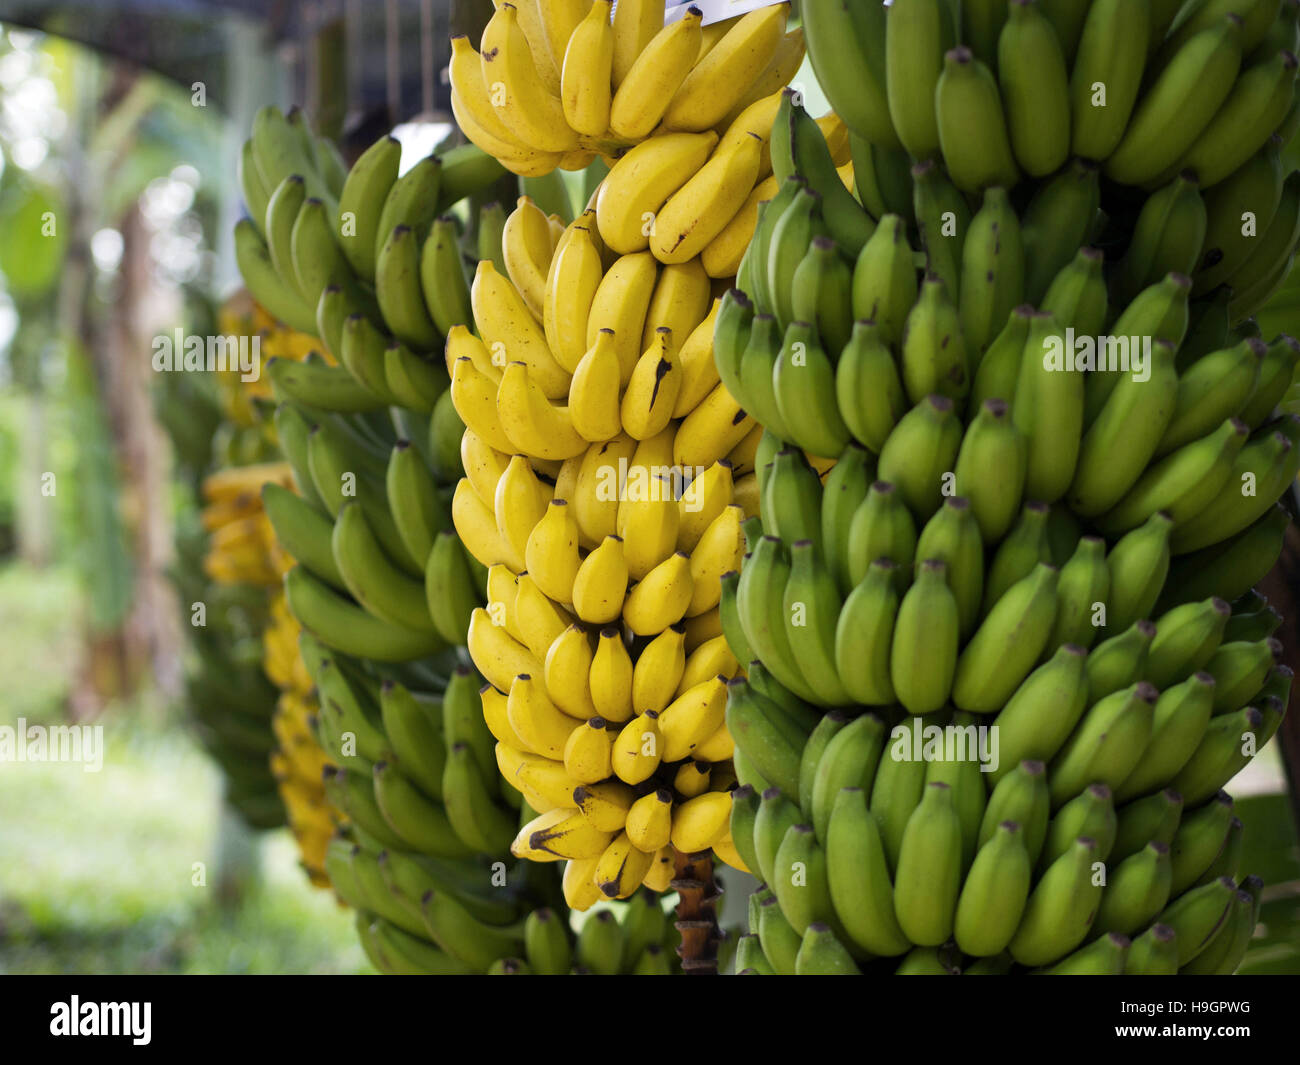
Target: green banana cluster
(1185,104)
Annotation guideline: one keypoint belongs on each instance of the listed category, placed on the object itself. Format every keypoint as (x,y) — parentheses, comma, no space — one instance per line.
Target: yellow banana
(702,501)
(595,497)
(699,372)
(537,720)
(588,754)
(724,77)
(544,777)
(719,551)
(681,300)
(526,251)
(551,553)
(477,528)
(711,431)
(636,751)
(531,422)
(611,677)
(600,584)
(502,592)
(566,672)
(635,24)
(723,255)
(639,185)
(621,305)
(474,396)
(587,72)
(622,867)
(697,212)
(658,669)
(511,333)
(605,804)
(579,884)
(713,658)
(539,620)
(661,598)
(520,502)
(525,99)
(499,656)
(700,822)
(483,465)
(462,344)
(650,820)
(645,91)
(692,718)
(647,405)
(571,286)
(593,393)
(571,836)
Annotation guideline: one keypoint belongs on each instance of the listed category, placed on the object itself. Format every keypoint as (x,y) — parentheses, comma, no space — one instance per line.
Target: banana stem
(697,916)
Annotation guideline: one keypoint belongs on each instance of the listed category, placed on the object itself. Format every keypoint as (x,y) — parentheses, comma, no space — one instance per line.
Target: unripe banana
(994,894)
(1107,744)
(1060,908)
(927,882)
(868,388)
(1034,78)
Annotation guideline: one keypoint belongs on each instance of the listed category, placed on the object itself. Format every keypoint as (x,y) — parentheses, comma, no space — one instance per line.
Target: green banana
(1048,410)
(920,450)
(1153,953)
(1167,237)
(1241,210)
(1077,295)
(882,528)
(1084,584)
(849,761)
(884,279)
(1057,222)
(1107,75)
(397,284)
(452,592)
(1060,909)
(1232,567)
(413,726)
(972,128)
(803,382)
(823,293)
(860,887)
(812,608)
(1138,564)
(844,490)
(942,220)
(868,388)
(994,895)
(800,881)
(992,273)
(934,358)
(1034,77)
(927,880)
(992,442)
(846,45)
(1186,638)
(1020,797)
(923,656)
(340,624)
(917,35)
(303,531)
(1023,548)
(372,578)
(953,537)
(1107,743)
(1007,643)
(361,203)
(1197,915)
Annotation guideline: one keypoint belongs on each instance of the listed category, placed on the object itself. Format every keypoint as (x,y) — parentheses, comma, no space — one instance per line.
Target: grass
(101,866)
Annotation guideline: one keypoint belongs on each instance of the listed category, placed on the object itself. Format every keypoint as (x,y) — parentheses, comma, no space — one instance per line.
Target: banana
(803,383)
(526,250)
(999,368)
(1239,671)
(1252,112)
(992,272)
(1007,643)
(942,220)
(1275,374)
(1240,208)
(799,145)
(1119,661)
(1179,105)
(1060,908)
(600,583)
(1106,75)
(1091,813)
(303,531)
(451,588)
(635,25)
(504,319)
(859,879)
(995,893)
(923,656)
(920,450)
(1185,484)
(1057,223)
(497,654)
(649,85)
(574,276)
(442,278)
(972,127)
(1257,278)
(637,751)
(1084,583)
(1196,916)
(927,880)
(517,91)
(722,78)
(1024,547)
(585,56)
(1231,568)
(821,294)
(882,528)
(992,442)
(278,219)
(884,280)
(343,626)
(1048,410)
(546,943)
(1034,79)
(254,191)
(1138,564)
(277,294)
(1118,445)
(1077,295)
(917,35)
(610,677)
(642,182)
(1168,236)
(934,358)
(766,736)
(699,210)
(1107,744)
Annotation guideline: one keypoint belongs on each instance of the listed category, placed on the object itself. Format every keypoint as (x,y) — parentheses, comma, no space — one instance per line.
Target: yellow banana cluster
(554,83)
(298,764)
(241,542)
(604,461)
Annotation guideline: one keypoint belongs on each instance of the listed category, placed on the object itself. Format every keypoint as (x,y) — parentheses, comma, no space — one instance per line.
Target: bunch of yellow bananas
(241,540)
(555,83)
(298,765)
(606,523)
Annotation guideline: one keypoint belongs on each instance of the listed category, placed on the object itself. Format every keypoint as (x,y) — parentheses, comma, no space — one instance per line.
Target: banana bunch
(428,821)
(1095,840)
(298,762)
(556,83)
(1186,104)
(230,702)
(607,473)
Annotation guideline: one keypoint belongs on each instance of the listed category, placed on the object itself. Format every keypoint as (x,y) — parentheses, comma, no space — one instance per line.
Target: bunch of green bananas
(1181,107)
